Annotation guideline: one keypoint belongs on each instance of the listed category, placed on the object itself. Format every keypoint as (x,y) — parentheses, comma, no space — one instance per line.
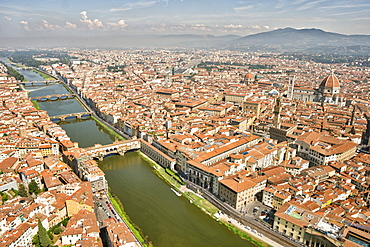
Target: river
(167,220)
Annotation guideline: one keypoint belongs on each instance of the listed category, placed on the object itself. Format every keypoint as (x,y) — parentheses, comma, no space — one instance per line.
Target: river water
(167,220)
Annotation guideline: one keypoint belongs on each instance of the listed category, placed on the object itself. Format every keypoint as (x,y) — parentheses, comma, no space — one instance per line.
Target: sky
(24,19)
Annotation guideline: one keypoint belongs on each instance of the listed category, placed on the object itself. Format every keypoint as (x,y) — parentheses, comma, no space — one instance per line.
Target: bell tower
(277,111)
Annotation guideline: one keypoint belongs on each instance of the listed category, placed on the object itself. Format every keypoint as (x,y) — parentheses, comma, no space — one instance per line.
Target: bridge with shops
(53,97)
(118,147)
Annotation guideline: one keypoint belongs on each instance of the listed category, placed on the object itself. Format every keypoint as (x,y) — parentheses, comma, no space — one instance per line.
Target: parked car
(248,227)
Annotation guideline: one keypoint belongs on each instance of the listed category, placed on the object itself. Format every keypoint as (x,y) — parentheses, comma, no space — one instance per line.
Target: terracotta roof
(331,81)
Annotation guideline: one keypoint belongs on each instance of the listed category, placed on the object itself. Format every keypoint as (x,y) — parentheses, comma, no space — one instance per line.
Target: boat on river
(176,192)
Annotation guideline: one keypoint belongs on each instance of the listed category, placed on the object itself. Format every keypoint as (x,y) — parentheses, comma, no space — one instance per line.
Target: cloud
(199,27)
(47,26)
(121,24)
(83,15)
(299,1)
(242,8)
(8,18)
(98,23)
(310,5)
(345,6)
(231,26)
(70,25)
(280,4)
(95,24)
(130,6)
(163,27)
(25,25)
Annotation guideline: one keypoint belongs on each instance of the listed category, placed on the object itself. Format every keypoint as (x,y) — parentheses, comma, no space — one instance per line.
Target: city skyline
(50,19)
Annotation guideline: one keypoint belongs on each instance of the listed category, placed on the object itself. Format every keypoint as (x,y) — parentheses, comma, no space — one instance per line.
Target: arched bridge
(71,115)
(53,97)
(118,147)
(47,82)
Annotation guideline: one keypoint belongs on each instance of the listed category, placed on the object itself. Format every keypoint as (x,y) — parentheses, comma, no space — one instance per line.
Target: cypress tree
(43,235)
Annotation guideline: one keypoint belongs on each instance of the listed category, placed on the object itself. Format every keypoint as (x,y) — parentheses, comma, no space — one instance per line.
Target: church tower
(277,111)
(291,86)
(353,116)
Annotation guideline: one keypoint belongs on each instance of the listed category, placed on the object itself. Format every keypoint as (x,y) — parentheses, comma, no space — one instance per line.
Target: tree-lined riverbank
(167,220)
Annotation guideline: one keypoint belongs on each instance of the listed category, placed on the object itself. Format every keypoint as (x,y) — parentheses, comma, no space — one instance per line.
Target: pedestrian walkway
(226,218)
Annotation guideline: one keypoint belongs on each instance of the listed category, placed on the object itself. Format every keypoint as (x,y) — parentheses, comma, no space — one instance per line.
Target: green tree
(33,188)
(36,240)
(43,235)
(4,197)
(22,191)
(65,221)
(58,231)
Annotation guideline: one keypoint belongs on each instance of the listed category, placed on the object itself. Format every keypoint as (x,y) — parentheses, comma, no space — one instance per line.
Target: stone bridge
(71,115)
(53,97)
(47,82)
(118,147)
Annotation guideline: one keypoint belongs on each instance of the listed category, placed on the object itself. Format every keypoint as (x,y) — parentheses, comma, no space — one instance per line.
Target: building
(321,148)
(119,235)
(306,227)
(327,92)
(238,191)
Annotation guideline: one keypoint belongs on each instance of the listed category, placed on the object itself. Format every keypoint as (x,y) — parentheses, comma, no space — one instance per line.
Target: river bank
(200,202)
(169,221)
(179,186)
(117,204)
(36,105)
(108,129)
(45,76)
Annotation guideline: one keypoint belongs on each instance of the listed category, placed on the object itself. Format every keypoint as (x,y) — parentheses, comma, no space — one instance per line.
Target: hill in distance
(314,41)
(308,40)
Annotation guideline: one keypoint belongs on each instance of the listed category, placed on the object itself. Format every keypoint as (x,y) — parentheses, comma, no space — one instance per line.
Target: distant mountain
(313,41)
(192,40)
(290,39)
(161,41)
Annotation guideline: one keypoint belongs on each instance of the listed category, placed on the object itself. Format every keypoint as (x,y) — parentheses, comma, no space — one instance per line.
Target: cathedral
(327,92)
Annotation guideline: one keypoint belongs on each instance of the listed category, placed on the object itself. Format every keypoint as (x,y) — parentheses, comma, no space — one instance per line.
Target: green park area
(109,130)
(45,76)
(36,104)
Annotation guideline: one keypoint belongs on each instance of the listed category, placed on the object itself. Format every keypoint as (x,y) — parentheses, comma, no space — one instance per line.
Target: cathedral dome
(331,81)
(249,76)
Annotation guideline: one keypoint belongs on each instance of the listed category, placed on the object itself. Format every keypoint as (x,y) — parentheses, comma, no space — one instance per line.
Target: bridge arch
(120,148)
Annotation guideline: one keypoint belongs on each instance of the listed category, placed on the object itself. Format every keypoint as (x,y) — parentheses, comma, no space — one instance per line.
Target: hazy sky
(51,18)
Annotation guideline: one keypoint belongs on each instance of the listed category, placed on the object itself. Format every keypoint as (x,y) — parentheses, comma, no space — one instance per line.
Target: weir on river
(167,220)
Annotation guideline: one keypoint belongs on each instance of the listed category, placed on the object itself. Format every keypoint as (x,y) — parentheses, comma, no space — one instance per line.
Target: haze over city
(57,21)
(185,123)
